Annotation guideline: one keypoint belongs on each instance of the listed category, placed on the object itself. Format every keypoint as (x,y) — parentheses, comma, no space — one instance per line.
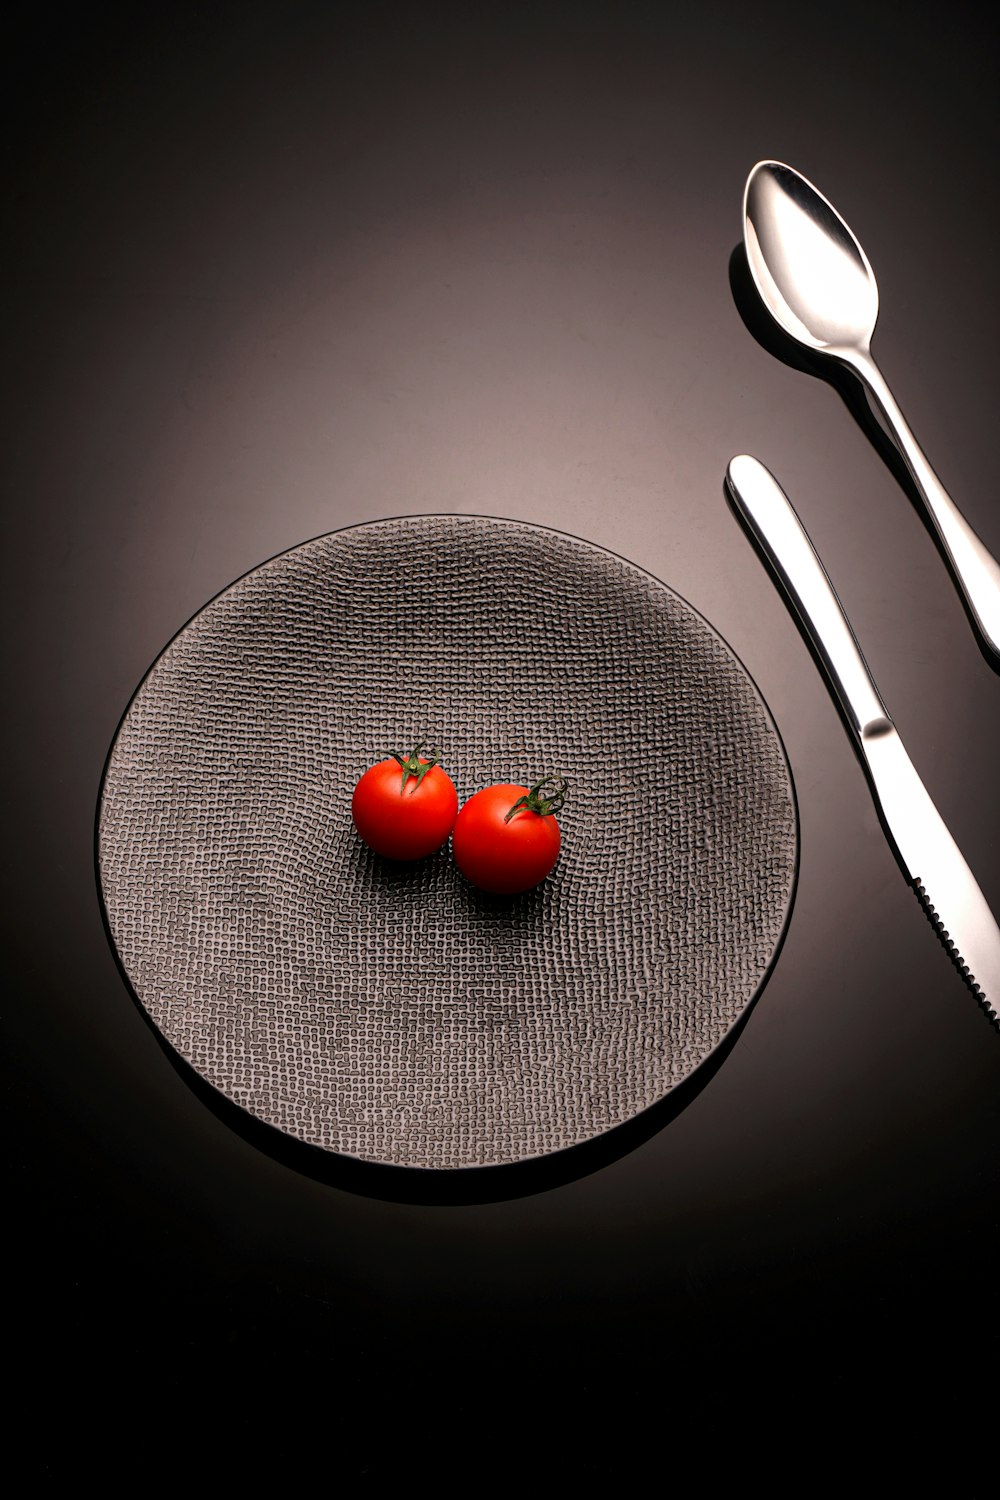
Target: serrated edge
(930,911)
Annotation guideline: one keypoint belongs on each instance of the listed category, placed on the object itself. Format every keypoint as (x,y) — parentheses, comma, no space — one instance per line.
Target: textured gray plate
(393,1013)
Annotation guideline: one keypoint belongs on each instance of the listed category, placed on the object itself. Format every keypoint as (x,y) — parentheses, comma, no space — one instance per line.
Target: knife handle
(767,513)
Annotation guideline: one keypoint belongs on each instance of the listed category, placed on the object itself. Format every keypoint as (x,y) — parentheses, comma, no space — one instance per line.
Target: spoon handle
(976,571)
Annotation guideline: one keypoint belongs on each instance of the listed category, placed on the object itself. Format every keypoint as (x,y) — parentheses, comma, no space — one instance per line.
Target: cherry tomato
(506,838)
(404,809)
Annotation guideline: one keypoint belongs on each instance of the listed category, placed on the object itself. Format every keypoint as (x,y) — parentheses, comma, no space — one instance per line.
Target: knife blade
(930,858)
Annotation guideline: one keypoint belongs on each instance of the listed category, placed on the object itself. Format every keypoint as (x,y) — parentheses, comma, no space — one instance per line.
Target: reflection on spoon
(815,281)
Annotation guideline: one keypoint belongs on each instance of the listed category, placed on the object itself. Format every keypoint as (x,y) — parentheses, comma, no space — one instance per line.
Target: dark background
(270,270)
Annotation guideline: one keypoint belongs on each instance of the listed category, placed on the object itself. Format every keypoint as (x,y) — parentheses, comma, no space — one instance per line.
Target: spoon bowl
(812,275)
(817,284)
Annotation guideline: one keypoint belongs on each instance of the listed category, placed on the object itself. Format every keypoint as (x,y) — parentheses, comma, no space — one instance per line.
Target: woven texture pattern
(393,1013)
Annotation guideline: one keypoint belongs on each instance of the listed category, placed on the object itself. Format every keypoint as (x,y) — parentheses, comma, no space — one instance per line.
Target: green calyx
(535,802)
(412,765)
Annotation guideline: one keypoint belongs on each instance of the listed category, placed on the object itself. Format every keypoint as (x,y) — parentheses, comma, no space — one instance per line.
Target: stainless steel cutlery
(929,856)
(815,281)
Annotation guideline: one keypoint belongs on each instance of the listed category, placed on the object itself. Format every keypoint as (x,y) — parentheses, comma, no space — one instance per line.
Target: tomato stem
(413,766)
(533,802)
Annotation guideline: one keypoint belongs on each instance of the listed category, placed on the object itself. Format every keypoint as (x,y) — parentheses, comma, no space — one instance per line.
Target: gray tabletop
(270,271)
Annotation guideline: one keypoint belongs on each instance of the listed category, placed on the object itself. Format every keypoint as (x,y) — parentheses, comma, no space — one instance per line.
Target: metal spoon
(815,281)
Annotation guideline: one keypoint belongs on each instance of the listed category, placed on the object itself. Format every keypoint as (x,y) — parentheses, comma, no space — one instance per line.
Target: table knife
(929,856)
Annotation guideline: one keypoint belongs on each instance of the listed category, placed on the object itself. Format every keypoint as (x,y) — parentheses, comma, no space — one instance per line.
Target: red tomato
(506,838)
(405,809)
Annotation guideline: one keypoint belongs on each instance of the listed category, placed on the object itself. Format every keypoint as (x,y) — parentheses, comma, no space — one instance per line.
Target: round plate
(393,1013)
